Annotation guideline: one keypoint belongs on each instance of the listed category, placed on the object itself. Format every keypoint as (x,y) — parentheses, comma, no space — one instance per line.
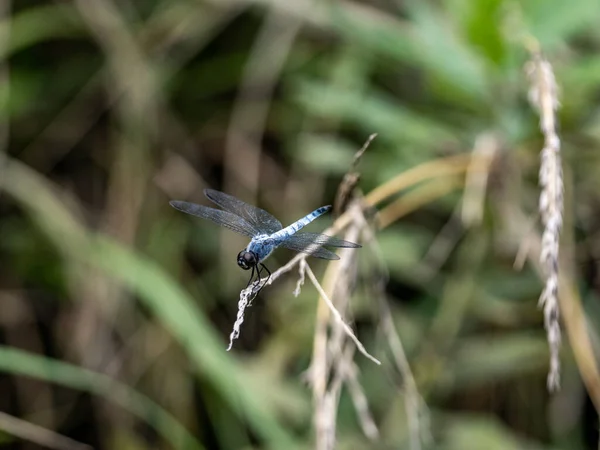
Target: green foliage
(111,109)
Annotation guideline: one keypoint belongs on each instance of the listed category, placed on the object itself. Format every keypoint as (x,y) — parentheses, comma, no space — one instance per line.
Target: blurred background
(115,309)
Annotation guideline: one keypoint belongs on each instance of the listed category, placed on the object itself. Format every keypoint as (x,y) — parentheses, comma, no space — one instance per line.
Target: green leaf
(374,112)
(19,362)
(34,25)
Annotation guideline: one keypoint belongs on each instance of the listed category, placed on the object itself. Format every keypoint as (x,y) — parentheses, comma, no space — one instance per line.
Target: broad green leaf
(19,362)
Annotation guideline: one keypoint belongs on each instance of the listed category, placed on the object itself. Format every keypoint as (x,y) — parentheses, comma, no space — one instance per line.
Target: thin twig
(337,315)
(350,180)
(300,281)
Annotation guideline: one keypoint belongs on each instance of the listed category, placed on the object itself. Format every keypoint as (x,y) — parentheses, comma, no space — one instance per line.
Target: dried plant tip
(245,299)
(300,282)
(344,192)
(544,97)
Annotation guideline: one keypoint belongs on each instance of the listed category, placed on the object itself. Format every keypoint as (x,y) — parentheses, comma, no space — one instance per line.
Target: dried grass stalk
(361,348)
(543,95)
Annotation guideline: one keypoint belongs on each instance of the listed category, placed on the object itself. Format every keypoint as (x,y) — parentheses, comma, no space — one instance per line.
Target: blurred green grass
(119,296)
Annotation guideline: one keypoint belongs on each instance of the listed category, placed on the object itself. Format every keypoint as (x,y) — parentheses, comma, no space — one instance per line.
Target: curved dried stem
(361,348)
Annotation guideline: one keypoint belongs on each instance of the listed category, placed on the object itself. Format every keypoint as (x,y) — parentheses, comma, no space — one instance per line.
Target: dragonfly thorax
(246,260)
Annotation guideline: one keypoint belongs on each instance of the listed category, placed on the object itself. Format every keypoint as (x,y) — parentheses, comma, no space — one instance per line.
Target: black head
(247,260)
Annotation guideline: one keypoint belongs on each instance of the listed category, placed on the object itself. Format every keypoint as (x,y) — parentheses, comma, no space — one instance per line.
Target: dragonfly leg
(268,271)
(251,277)
(257,281)
(258,270)
(262,266)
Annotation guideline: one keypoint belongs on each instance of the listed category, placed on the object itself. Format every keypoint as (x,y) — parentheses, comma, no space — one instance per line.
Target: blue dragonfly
(265,231)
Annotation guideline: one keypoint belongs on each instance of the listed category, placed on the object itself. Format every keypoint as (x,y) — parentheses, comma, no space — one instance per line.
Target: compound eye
(246,260)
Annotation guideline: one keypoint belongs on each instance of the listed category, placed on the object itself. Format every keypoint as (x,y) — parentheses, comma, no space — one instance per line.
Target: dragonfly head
(246,260)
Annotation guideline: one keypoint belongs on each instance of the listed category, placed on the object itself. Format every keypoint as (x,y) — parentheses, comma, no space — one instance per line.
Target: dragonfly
(264,230)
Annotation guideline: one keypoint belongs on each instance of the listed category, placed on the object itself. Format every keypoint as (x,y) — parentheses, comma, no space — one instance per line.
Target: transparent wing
(223,218)
(320,239)
(262,221)
(312,243)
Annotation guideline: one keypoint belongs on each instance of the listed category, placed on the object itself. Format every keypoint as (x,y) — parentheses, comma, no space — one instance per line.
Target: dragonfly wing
(320,239)
(312,243)
(223,218)
(261,220)
(311,249)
